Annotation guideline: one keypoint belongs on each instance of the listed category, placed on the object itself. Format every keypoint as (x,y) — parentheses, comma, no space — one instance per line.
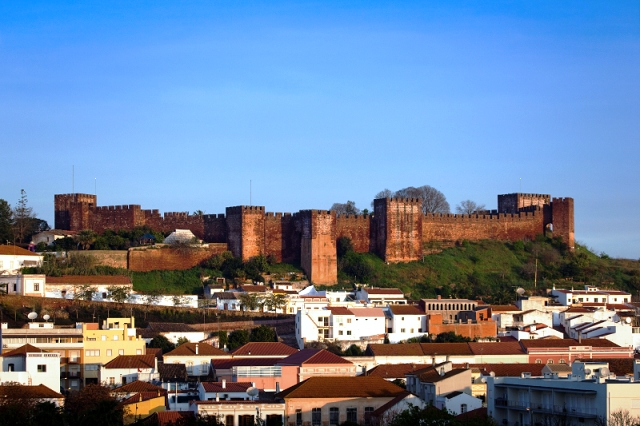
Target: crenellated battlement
(396,231)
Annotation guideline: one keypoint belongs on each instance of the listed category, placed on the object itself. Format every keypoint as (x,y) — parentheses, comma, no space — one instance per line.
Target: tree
(223,338)
(353,350)
(84,292)
(450,337)
(181,341)
(623,418)
(93,406)
(275,301)
(433,201)
(163,343)
(385,193)
(250,301)
(262,333)
(469,207)
(22,218)
(19,407)
(6,222)
(347,208)
(344,245)
(119,294)
(179,300)
(85,238)
(238,338)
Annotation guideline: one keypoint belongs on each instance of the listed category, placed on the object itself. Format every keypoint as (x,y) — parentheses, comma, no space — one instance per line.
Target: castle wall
(504,227)
(357,228)
(514,203)
(245,226)
(318,255)
(166,258)
(183,220)
(115,218)
(399,234)
(563,220)
(70,213)
(215,228)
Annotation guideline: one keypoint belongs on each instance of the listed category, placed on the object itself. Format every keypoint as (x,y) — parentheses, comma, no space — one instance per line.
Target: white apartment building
(405,322)
(587,397)
(381,296)
(31,366)
(590,294)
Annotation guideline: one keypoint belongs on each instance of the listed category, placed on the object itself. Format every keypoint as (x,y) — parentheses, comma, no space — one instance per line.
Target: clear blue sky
(177,106)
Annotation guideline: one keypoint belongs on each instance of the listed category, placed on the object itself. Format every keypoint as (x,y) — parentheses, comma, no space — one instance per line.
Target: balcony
(70,375)
(585,412)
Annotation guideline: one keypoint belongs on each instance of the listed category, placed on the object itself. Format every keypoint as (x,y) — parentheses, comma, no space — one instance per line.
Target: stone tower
(318,254)
(245,229)
(398,229)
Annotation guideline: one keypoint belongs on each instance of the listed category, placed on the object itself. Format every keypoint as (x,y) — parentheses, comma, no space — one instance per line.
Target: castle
(397,230)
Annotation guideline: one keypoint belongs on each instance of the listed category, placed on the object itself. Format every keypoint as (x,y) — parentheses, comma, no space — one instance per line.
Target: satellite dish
(587,371)
(520,291)
(253,392)
(32,315)
(46,317)
(604,371)
(627,320)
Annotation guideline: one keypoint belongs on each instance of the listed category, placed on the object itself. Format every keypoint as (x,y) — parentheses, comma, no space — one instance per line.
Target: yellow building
(116,337)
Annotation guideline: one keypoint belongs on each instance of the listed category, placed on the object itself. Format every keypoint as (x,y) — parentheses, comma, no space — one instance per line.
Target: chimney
(277,387)
(224,383)
(155,364)
(196,349)
(217,397)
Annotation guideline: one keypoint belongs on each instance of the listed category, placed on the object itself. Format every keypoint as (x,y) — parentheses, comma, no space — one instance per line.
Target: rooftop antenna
(95,186)
(250,192)
(73,179)
(521,185)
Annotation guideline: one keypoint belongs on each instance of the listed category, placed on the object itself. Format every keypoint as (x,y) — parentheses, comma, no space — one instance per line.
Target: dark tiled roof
(342,387)
(229,386)
(254,288)
(339,310)
(189,349)
(383,409)
(226,295)
(405,310)
(394,371)
(314,356)
(168,327)
(265,349)
(474,415)
(172,372)
(432,374)
(503,308)
(157,352)
(446,349)
(169,418)
(15,250)
(408,349)
(506,370)
(383,291)
(132,361)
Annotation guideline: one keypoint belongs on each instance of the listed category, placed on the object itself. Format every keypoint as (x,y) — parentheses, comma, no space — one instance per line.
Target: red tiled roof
(132,361)
(265,349)
(394,371)
(157,352)
(367,312)
(405,310)
(342,387)
(432,374)
(446,349)
(39,391)
(167,418)
(17,251)
(496,348)
(254,288)
(507,370)
(314,356)
(89,279)
(22,351)
(189,349)
(229,386)
(224,364)
(226,295)
(474,415)
(503,308)
(564,343)
(407,349)
(138,386)
(339,310)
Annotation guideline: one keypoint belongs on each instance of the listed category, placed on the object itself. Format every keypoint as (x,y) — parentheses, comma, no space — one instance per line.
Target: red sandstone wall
(480,329)
(154,259)
(215,228)
(399,229)
(357,228)
(318,255)
(505,227)
(514,203)
(245,226)
(182,220)
(563,220)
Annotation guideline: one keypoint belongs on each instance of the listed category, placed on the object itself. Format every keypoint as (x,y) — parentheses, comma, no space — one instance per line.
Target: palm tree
(85,238)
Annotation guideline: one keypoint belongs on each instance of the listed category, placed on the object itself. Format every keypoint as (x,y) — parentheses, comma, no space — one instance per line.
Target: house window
(316,417)
(298,417)
(112,381)
(368,411)
(348,332)
(563,361)
(463,408)
(92,352)
(104,338)
(348,320)
(138,351)
(42,368)
(340,332)
(11,367)
(36,286)
(538,361)
(229,420)
(352,414)
(334,416)
(116,337)
(120,351)
(109,352)
(549,361)
(402,330)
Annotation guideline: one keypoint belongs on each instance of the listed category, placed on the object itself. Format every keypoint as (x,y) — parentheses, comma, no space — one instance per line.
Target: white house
(458,402)
(226,301)
(29,365)
(216,391)
(241,413)
(381,296)
(129,368)
(14,258)
(195,356)
(588,396)
(590,294)
(48,237)
(405,322)
(23,285)
(174,331)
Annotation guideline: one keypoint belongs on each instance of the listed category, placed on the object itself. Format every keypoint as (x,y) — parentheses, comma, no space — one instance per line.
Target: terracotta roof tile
(172,372)
(314,356)
(189,349)
(394,371)
(367,312)
(169,418)
(225,364)
(342,387)
(564,343)
(496,348)
(405,310)
(408,349)
(446,349)
(39,391)
(89,279)
(17,251)
(226,295)
(506,370)
(265,349)
(503,308)
(229,386)
(22,350)
(138,386)
(432,374)
(339,310)
(254,288)
(132,361)
(383,409)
